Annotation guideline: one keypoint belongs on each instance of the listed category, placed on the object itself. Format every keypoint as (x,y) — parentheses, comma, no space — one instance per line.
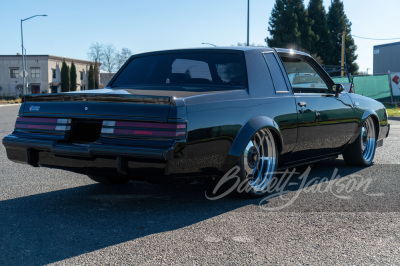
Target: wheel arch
(367,113)
(374,116)
(250,128)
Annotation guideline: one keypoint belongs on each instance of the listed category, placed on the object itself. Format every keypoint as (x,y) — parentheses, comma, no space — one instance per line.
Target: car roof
(226,48)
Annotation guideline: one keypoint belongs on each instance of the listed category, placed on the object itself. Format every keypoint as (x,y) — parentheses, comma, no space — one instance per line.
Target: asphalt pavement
(326,214)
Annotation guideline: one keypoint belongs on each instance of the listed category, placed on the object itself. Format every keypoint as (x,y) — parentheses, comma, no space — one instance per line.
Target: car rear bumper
(92,159)
(92,149)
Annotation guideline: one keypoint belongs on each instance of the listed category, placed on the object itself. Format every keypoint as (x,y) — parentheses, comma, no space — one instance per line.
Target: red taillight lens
(39,123)
(144,129)
(351,88)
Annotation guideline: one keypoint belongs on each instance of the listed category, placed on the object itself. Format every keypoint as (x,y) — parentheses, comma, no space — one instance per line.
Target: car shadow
(53,226)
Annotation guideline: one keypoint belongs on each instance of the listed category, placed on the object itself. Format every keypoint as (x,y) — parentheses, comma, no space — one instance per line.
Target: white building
(43,74)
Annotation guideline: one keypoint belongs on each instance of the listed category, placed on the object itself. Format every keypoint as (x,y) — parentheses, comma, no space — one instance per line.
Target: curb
(9,104)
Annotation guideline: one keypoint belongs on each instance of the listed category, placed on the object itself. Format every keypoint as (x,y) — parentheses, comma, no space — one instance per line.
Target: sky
(147,25)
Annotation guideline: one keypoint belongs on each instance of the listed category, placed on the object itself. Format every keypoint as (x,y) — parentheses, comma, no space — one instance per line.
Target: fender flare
(249,129)
(367,113)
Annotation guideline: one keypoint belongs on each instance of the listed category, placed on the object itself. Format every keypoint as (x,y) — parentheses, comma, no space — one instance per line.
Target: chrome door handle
(302,104)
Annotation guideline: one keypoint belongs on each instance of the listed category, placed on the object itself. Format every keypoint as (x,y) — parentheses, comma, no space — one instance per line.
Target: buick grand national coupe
(200,112)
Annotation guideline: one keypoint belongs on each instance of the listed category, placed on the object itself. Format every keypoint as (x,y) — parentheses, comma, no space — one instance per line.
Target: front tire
(362,151)
(113,180)
(258,163)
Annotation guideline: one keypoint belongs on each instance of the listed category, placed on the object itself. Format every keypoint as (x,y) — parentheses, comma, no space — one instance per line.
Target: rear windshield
(184,69)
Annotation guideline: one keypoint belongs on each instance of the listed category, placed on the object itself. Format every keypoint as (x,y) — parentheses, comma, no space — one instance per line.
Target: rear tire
(113,180)
(258,164)
(362,151)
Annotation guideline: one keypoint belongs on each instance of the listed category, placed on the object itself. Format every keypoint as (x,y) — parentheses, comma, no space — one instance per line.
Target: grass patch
(393,110)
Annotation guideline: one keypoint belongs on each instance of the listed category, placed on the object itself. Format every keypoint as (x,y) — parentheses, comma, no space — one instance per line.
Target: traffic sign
(22,73)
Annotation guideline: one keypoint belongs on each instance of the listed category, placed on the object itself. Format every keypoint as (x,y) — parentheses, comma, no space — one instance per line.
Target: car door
(326,121)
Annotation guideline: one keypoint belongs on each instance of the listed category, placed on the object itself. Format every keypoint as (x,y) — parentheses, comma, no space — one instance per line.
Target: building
(105,78)
(43,74)
(387,58)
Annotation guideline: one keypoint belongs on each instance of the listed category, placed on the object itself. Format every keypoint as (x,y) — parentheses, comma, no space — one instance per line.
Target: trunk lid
(100,104)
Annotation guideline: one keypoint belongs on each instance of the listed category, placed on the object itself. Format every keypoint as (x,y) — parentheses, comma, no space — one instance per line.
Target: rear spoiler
(94,97)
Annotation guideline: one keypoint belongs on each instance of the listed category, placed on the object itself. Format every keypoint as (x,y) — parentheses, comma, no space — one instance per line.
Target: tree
(73,76)
(289,26)
(91,82)
(96,51)
(251,44)
(321,39)
(65,77)
(123,56)
(20,90)
(96,76)
(306,33)
(109,57)
(337,24)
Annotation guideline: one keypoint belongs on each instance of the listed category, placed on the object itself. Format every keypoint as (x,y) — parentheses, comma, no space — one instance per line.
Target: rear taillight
(351,88)
(47,124)
(144,129)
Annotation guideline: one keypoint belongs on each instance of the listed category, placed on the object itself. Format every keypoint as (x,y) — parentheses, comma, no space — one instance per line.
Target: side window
(302,75)
(276,73)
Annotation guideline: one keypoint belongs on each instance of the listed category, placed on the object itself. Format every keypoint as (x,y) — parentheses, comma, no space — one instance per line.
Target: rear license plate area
(85,131)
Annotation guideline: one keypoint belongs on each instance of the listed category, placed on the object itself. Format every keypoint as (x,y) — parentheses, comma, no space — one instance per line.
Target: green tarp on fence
(376,87)
(341,80)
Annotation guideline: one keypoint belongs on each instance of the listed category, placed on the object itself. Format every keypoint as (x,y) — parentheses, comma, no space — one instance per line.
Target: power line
(366,38)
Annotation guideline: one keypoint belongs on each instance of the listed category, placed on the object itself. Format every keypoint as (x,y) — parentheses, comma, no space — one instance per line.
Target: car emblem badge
(86,108)
(34,108)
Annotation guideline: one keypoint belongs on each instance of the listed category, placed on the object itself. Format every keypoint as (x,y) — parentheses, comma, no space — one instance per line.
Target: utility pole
(248,21)
(22,50)
(343,50)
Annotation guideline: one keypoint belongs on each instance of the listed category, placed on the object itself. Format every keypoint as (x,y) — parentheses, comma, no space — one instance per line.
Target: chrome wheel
(260,160)
(368,139)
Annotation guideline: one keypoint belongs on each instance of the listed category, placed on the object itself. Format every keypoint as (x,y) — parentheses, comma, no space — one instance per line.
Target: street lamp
(248,22)
(22,48)
(209,44)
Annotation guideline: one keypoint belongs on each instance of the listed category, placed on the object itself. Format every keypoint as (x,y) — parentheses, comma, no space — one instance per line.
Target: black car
(200,112)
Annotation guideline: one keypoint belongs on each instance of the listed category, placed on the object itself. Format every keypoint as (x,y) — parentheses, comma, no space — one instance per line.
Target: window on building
(81,73)
(14,73)
(53,71)
(35,72)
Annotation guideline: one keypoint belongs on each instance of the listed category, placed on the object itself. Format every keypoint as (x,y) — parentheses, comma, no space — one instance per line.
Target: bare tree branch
(109,62)
(96,52)
(122,56)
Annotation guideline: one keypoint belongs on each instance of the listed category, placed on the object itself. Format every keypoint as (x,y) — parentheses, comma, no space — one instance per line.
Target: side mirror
(337,89)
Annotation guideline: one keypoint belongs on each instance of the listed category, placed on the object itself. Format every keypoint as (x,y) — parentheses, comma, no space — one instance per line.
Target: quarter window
(276,73)
(35,72)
